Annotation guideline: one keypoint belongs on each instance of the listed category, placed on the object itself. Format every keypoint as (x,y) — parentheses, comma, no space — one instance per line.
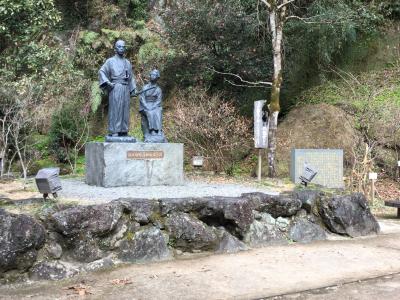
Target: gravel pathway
(76,189)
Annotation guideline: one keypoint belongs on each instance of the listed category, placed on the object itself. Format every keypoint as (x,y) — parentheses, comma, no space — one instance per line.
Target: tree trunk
(273,126)
(22,162)
(276,24)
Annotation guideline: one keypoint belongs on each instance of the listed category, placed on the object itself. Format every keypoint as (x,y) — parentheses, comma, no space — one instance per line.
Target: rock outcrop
(264,231)
(349,215)
(86,238)
(93,219)
(21,237)
(305,231)
(188,233)
(146,245)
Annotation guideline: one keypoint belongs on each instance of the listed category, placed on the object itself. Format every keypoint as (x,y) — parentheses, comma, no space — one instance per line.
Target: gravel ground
(76,189)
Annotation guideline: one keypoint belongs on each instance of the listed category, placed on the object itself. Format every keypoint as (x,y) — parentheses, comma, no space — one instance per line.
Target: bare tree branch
(243,85)
(306,20)
(266,3)
(251,83)
(285,3)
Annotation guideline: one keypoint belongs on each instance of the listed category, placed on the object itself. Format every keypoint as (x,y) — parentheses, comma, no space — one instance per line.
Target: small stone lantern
(48,182)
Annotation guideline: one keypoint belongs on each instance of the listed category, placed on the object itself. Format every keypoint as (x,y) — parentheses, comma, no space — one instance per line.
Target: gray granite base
(134,164)
(120,139)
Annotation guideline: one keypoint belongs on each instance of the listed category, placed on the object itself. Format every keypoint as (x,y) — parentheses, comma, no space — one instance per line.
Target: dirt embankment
(319,126)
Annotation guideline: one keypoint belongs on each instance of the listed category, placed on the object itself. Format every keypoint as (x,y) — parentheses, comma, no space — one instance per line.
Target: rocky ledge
(63,241)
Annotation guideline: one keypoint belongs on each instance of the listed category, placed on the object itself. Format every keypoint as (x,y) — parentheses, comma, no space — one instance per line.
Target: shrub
(69,132)
(209,126)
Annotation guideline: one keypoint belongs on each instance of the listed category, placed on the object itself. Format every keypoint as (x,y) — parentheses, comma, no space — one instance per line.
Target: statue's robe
(150,108)
(119,71)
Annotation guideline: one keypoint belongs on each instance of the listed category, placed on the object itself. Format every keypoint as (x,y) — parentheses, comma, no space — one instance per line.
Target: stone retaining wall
(64,241)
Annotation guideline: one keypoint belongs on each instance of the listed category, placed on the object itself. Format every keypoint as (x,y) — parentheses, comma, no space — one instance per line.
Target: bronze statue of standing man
(116,76)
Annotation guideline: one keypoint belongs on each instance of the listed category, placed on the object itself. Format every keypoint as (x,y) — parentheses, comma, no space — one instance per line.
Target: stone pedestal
(127,164)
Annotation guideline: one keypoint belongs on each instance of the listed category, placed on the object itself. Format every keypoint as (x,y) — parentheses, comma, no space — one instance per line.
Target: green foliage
(80,165)
(41,144)
(154,53)
(332,29)
(22,20)
(95,97)
(355,92)
(143,46)
(233,36)
(372,98)
(94,47)
(99,138)
(391,94)
(390,8)
(67,125)
(136,9)
(40,164)
(89,37)
(222,34)
(136,127)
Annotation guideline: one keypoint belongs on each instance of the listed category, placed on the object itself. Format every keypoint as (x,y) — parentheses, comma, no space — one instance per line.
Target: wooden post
(259,164)
(372,191)
(398,169)
(373,177)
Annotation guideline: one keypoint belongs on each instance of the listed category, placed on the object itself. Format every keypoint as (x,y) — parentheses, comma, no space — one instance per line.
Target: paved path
(76,189)
(253,274)
(384,287)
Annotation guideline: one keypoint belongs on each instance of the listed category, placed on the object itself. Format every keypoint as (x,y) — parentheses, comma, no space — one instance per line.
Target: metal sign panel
(145,155)
(260,126)
(327,162)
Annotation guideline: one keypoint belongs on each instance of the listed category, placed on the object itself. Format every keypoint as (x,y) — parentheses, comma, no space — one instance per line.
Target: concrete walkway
(254,274)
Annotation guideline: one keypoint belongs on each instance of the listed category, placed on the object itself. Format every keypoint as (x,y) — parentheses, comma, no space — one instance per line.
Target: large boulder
(85,248)
(51,270)
(305,231)
(283,205)
(146,245)
(93,219)
(348,215)
(229,243)
(141,210)
(280,206)
(315,126)
(171,205)
(309,198)
(20,238)
(235,214)
(82,229)
(188,233)
(264,232)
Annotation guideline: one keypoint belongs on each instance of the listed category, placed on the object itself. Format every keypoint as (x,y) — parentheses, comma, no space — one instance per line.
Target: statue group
(116,76)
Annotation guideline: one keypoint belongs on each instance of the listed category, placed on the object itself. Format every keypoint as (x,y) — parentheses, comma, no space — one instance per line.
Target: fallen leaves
(80,289)
(388,189)
(123,281)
